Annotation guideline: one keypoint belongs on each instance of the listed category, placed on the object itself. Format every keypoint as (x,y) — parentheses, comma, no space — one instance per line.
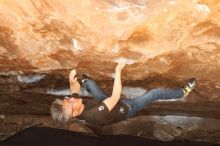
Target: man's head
(67,108)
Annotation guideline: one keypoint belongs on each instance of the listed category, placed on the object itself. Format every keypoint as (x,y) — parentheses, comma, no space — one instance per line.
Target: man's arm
(74,84)
(117,87)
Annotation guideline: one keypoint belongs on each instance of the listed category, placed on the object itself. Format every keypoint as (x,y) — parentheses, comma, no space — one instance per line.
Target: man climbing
(108,109)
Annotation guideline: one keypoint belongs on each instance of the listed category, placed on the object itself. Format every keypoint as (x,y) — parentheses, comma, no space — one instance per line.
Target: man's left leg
(93,88)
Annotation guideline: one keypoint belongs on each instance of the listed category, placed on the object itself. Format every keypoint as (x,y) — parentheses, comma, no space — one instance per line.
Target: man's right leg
(140,102)
(94,89)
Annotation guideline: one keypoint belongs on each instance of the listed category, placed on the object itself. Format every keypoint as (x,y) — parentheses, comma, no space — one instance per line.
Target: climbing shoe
(189,86)
(84,78)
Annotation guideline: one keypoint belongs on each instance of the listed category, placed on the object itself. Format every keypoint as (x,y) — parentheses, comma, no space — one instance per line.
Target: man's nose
(71,99)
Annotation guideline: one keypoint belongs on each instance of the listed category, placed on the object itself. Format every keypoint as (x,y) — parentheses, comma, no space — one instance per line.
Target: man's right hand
(119,67)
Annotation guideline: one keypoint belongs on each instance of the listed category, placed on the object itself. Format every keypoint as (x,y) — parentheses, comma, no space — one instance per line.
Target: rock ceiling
(174,38)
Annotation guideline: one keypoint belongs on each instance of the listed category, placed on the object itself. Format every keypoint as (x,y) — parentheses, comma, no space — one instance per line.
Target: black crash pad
(43,136)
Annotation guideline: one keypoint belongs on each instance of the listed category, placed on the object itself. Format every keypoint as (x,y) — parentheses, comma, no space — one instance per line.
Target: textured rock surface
(164,42)
(165,128)
(176,38)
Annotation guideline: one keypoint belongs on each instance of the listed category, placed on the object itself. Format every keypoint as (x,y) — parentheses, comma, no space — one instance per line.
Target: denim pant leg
(140,102)
(95,90)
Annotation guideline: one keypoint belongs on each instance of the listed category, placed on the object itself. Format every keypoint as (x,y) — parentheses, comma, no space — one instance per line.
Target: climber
(108,109)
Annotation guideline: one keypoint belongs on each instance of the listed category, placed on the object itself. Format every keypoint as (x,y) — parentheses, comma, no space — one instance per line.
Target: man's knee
(155,93)
(89,81)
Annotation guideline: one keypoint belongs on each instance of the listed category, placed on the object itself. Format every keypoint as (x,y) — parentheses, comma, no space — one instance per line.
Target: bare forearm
(116,93)
(74,88)
(74,84)
(117,87)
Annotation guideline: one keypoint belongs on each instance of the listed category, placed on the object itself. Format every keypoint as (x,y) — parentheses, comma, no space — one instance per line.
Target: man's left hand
(74,84)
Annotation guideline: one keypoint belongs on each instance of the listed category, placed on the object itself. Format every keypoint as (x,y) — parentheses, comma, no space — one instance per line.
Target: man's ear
(75,113)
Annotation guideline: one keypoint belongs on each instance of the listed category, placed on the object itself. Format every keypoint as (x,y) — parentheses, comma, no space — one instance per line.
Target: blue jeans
(138,103)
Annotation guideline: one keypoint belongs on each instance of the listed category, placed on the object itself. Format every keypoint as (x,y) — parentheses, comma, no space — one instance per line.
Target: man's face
(72,106)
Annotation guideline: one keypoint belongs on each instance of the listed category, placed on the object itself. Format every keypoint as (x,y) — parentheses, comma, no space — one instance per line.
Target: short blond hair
(57,112)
